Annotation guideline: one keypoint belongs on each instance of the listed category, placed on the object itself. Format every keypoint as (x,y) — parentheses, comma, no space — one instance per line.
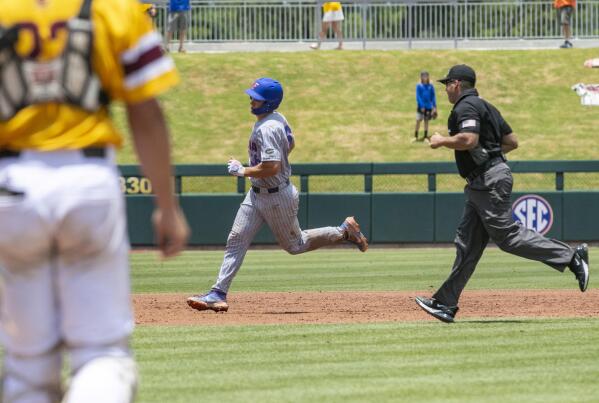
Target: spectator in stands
(565,9)
(332,15)
(426,104)
(178,20)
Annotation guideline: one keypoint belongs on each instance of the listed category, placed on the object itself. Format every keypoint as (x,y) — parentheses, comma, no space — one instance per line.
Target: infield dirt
(252,308)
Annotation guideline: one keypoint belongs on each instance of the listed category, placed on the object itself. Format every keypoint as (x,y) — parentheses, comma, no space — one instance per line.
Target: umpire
(480,137)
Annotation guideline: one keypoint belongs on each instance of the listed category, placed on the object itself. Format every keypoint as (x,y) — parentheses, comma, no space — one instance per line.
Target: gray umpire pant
(487,214)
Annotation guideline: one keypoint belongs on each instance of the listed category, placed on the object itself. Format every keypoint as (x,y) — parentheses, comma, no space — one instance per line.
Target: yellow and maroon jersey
(126,57)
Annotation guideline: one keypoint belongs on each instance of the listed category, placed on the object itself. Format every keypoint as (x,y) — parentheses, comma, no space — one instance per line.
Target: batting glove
(235,168)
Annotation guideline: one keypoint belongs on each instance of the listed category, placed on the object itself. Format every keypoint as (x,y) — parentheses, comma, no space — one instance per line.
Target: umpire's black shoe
(580,266)
(438,310)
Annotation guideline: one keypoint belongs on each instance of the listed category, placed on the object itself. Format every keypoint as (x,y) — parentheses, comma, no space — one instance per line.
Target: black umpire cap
(460,72)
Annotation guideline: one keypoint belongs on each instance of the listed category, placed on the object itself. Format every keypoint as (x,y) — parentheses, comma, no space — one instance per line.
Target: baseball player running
(63,244)
(272,199)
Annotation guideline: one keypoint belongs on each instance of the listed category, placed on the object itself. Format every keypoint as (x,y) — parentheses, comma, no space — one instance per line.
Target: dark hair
(466,85)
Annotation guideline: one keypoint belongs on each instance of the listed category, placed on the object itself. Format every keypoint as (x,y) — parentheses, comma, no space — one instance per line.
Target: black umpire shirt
(473,114)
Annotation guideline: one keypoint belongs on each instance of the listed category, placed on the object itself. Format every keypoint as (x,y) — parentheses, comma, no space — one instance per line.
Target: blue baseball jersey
(271,140)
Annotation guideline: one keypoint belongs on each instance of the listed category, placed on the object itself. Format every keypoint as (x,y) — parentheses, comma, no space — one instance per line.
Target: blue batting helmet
(268,90)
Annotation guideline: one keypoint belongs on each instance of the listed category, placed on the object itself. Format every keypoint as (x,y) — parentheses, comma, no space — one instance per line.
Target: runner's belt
(256,189)
(481,169)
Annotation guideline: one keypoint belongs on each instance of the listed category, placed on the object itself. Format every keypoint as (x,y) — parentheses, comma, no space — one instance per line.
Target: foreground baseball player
(480,137)
(272,199)
(63,243)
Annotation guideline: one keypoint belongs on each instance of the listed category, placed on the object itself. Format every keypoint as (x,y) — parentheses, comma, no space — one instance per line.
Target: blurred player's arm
(146,73)
(592,63)
(151,140)
(509,142)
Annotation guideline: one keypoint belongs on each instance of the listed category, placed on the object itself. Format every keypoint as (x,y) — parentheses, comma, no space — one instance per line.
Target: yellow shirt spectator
(332,16)
(331,6)
(332,12)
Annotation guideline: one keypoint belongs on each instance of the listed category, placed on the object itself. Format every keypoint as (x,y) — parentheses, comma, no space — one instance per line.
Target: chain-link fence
(389,20)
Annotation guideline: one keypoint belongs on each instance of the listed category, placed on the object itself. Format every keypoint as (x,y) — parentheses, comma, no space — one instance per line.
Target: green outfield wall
(386,217)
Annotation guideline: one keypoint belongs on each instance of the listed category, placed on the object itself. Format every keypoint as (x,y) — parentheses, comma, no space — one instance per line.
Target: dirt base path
(246,308)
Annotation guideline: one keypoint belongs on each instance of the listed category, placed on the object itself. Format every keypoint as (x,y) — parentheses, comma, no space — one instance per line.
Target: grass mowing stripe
(508,361)
(342,270)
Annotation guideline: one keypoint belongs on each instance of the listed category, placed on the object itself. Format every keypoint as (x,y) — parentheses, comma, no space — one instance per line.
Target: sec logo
(534,213)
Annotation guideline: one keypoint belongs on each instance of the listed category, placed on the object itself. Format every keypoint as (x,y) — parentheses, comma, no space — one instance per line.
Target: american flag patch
(468,123)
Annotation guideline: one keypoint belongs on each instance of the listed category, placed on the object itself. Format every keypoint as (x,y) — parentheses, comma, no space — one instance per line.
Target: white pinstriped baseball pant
(279,211)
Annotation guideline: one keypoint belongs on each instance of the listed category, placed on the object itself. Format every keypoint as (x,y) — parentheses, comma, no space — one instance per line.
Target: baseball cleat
(580,266)
(352,234)
(214,300)
(438,310)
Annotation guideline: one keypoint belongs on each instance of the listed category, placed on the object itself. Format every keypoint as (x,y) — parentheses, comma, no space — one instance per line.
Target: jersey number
(254,154)
(30,40)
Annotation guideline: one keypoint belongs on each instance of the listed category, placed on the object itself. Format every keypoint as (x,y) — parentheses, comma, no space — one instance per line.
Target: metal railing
(558,171)
(390,20)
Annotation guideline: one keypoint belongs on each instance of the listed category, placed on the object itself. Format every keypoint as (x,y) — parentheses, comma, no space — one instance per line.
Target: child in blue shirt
(427,104)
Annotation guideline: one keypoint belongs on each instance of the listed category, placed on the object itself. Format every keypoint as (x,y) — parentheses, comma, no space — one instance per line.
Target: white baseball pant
(64,265)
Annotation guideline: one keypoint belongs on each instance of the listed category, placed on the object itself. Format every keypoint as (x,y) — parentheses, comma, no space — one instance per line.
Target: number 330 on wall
(135,185)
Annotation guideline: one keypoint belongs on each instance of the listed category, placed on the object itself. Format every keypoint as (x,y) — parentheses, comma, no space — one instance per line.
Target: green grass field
(341,270)
(474,360)
(528,360)
(360,105)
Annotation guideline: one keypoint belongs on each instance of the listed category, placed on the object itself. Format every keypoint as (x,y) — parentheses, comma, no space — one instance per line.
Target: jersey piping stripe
(150,71)
(144,59)
(146,42)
